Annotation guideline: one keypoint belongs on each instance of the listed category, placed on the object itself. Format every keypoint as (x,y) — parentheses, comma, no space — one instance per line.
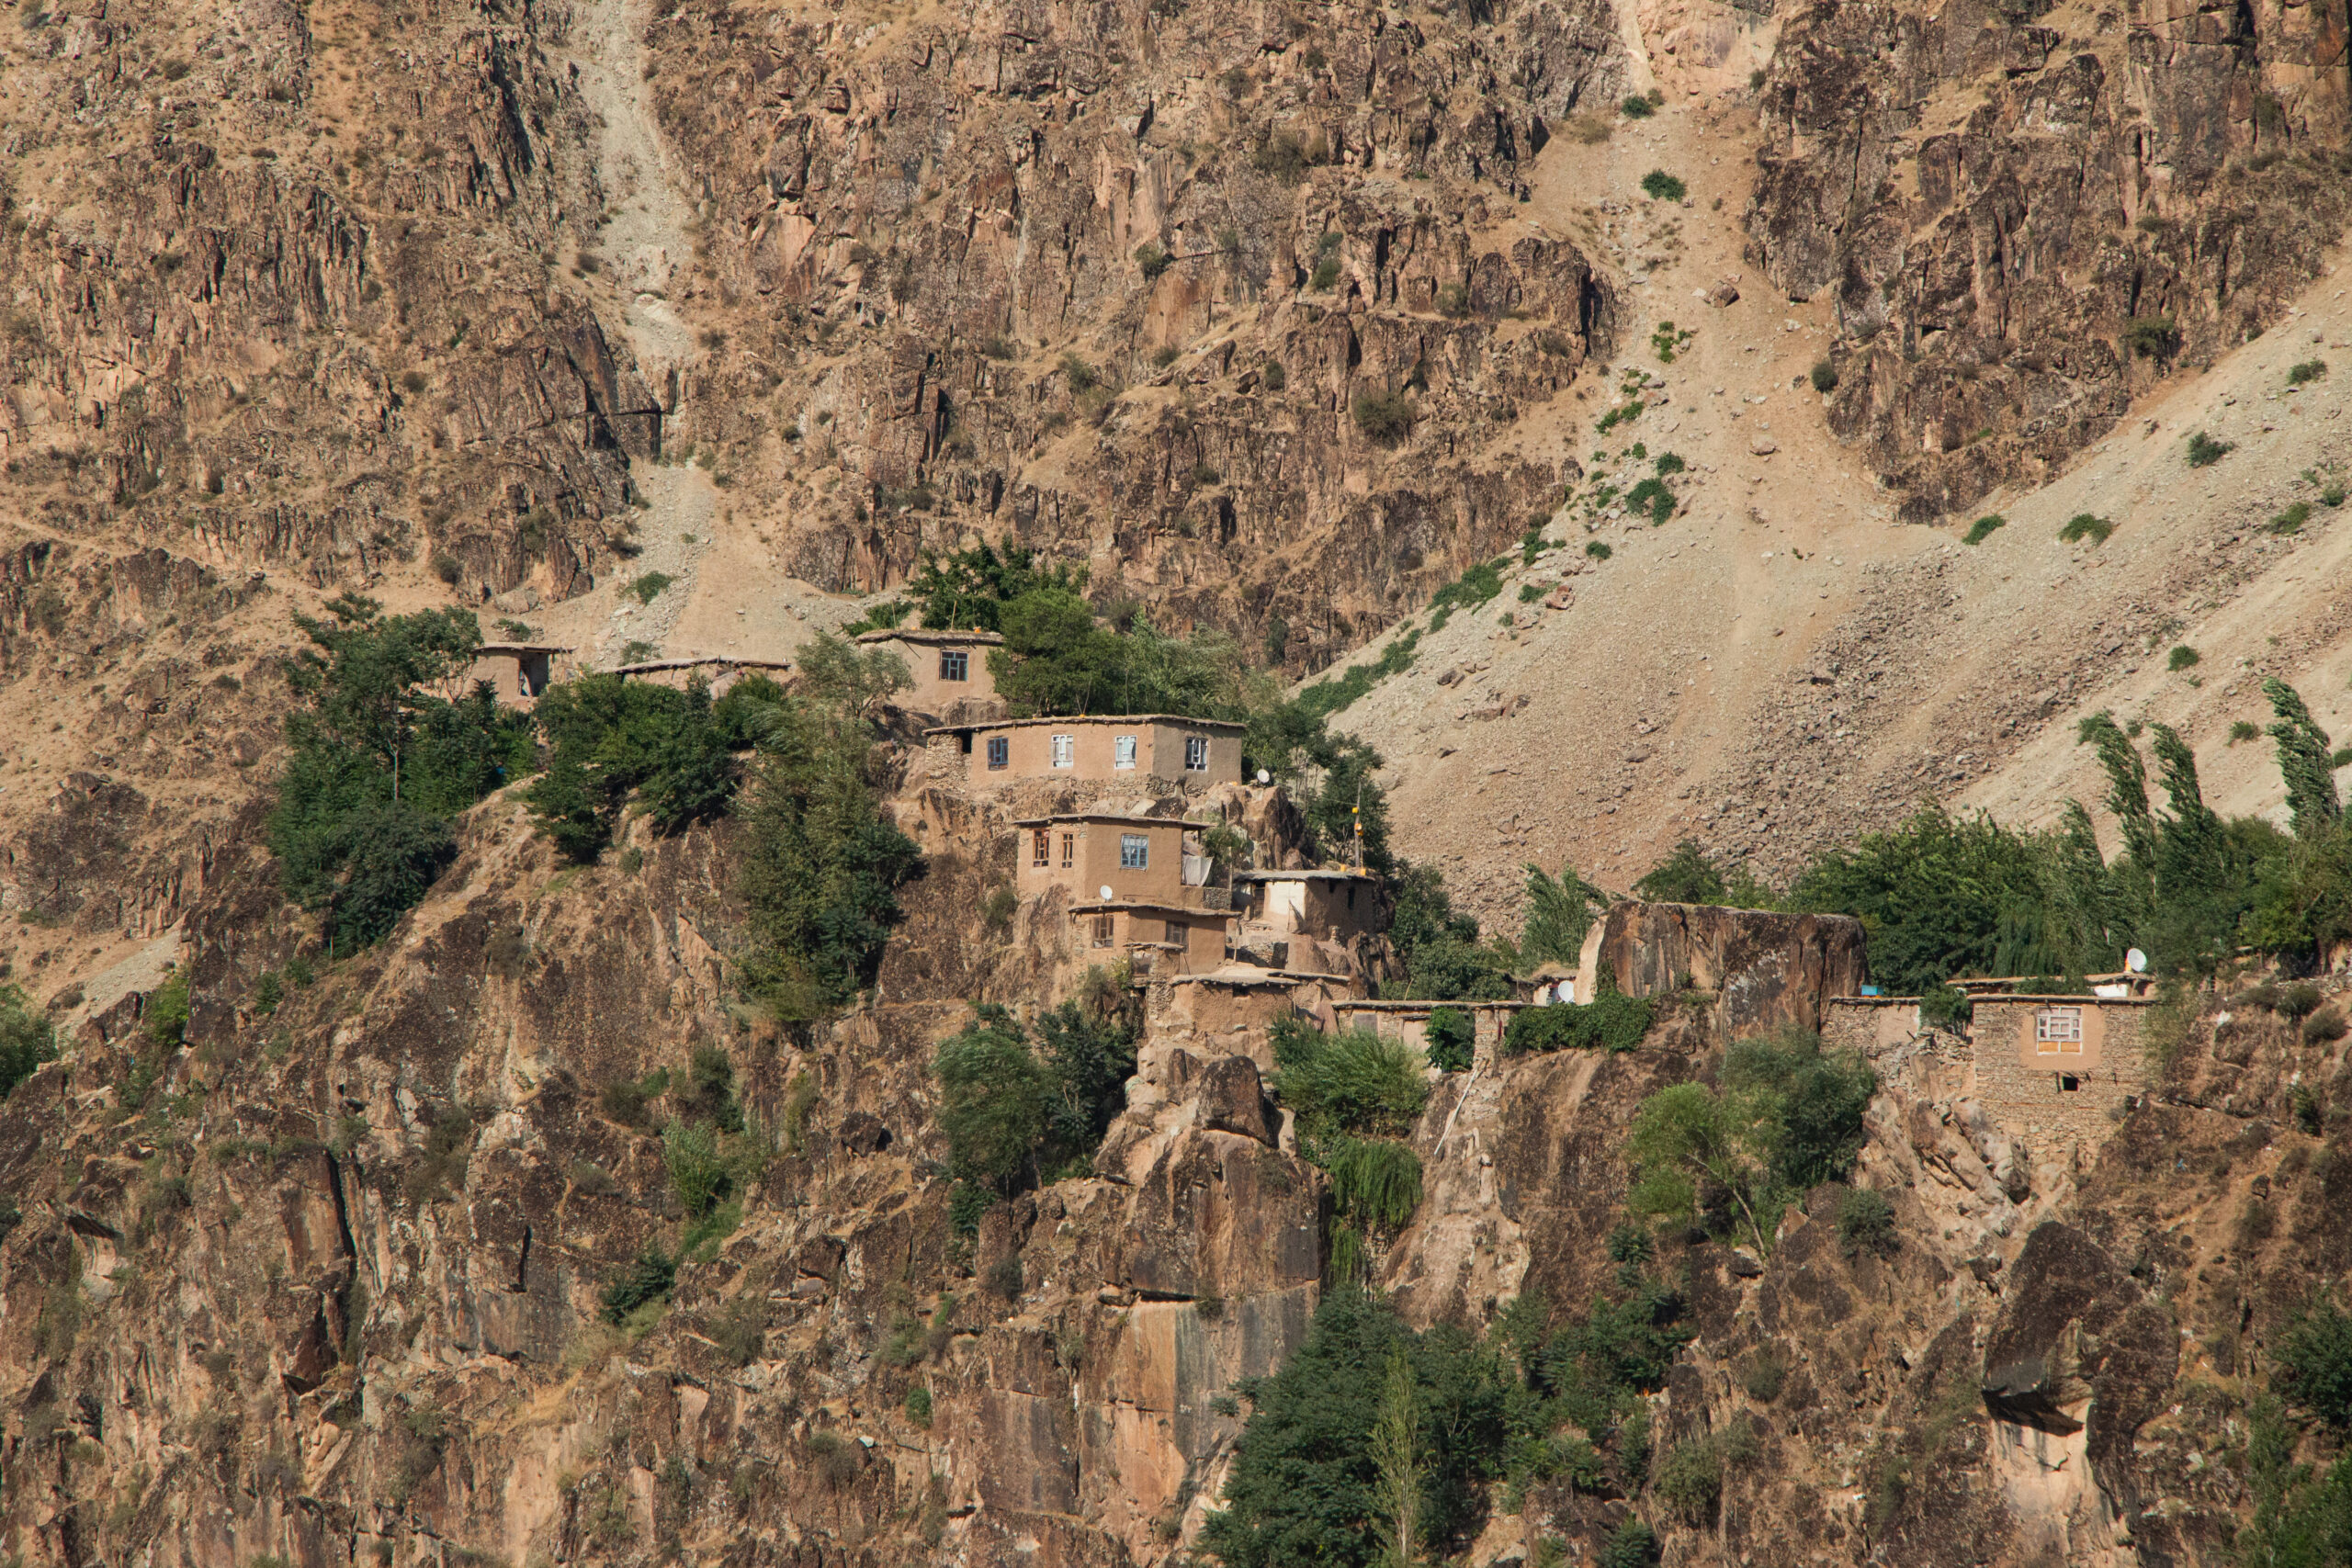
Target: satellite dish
(1264,777)
(2136,962)
(1107,894)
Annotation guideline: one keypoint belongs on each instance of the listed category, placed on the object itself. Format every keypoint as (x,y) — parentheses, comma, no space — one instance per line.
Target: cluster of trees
(1378,1445)
(2303,1514)
(389,745)
(1944,896)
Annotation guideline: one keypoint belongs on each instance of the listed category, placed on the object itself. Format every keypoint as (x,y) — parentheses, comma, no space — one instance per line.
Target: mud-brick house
(2054,1070)
(950,668)
(1135,886)
(1274,907)
(517,671)
(1168,748)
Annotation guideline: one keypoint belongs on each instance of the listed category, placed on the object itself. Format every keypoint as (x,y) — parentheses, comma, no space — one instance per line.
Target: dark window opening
(954,666)
(2069,1083)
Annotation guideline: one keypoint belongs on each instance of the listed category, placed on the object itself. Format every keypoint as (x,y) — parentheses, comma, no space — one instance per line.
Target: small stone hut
(1191,753)
(950,668)
(517,671)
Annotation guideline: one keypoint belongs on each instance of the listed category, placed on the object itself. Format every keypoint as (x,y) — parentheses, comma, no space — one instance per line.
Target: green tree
(820,868)
(2305,761)
(1560,912)
(383,750)
(850,677)
(1014,1108)
(967,589)
(1396,1458)
(1686,876)
(1811,1102)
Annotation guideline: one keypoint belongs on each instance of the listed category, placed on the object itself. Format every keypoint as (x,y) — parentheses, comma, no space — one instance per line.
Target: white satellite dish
(1264,777)
(2136,962)
(1107,894)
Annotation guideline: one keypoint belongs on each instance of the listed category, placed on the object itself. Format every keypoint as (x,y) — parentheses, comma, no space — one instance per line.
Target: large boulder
(1766,969)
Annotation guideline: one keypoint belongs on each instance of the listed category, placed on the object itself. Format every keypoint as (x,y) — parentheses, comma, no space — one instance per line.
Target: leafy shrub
(2152,338)
(1353,1082)
(1652,495)
(1669,463)
(1984,528)
(1326,274)
(1662,186)
(2324,1026)
(1152,259)
(167,1010)
(1691,1479)
(1631,1545)
(1008,1111)
(2292,519)
(2298,1000)
(2183,657)
(1812,1102)
(647,586)
(1944,1007)
(919,1406)
(2315,1363)
(1824,376)
(1081,378)
(2084,525)
(2244,729)
(1865,1222)
(1764,1376)
(1635,107)
(2308,371)
(1611,1021)
(699,1171)
(1386,417)
(833,1459)
(2204,451)
(1375,1182)
(642,1282)
(611,737)
(1272,376)
(1449,1034)
(1598,550)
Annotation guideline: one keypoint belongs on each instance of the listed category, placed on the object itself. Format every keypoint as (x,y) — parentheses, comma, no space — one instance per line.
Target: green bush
(1375,1182)
(1984,528)
(28,1038)
(1764,1376)
(1611,1021)
(1272,376)
(2183,657)
(2152,338)
(1351,1082)
(2315,1363)
(1653,496)
(1944,1007)
(699,1172)
(379,762)
(2084,526)
(1824,376)
(2292,519)
(919,1406)
(1662,186)
(1669,463)
(1011,1111)
(1865,1222)
(1598,550)
(647,1280)
(610,737)
(1812,1102)
(647,586)
(2307,372)
(2244,729)
(2324,1027)
(2204,451)
(1631,1545)
(1449,1034)
(1386,418)
(1689,1479)
(1152,259)
(1635,107)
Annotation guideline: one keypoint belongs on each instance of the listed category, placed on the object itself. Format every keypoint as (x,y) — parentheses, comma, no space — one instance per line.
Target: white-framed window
(1102,930)
(1135,851)
(1065,751)
(1122,751)
(1000,754)
(2058,1032)
(955,665)
(1196,753)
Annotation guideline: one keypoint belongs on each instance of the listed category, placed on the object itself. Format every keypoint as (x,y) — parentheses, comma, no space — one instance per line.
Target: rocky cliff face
(327,1284)
(2026,216)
